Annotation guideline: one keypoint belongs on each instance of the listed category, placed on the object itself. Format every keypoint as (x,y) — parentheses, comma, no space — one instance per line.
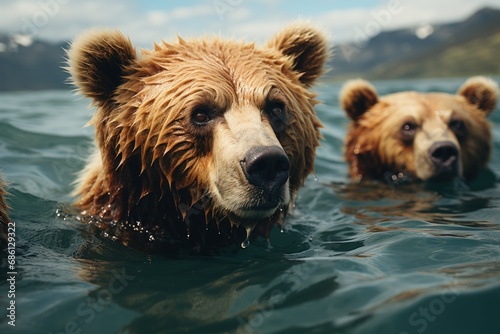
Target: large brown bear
(418,136)
(202,139)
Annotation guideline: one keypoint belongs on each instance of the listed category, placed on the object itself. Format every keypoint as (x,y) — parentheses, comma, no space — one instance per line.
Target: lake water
(374,258)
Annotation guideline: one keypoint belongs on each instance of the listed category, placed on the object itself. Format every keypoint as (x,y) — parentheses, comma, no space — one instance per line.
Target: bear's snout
(444,155)
(266,167)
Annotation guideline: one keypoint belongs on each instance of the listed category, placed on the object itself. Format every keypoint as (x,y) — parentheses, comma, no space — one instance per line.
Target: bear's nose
(266,167)
(444,155)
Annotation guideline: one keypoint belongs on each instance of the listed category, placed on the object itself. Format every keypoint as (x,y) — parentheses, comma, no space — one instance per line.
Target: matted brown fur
(155,171)
(374,147)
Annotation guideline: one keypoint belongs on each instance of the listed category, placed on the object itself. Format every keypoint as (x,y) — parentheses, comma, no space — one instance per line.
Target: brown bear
(418,136)
(204,139)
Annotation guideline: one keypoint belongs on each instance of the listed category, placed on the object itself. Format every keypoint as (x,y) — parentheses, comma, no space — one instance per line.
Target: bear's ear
(97,60)
(356,97)
(307,47)
(480,92)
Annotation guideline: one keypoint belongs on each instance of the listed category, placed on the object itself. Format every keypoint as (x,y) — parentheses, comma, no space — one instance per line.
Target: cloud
(61,19)
(342,24)
(185,13)
(345,25)
(257,20)
(159,17)
(432,11)
(57,20)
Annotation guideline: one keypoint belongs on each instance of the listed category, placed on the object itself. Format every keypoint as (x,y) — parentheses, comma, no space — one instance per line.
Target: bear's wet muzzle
(267,168)
(445,158)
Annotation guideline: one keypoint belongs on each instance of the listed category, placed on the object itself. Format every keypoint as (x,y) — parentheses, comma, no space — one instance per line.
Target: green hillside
(479,56)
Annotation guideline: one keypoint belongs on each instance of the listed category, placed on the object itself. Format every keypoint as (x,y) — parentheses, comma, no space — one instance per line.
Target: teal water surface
(371,258)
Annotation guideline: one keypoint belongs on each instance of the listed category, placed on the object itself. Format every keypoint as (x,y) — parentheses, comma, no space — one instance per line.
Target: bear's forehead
(424,105)
(216,56)
(214,67)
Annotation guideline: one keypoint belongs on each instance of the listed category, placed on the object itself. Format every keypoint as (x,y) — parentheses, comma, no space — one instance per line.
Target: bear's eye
(408,130)
(200,117)
(276,112)
(458,127)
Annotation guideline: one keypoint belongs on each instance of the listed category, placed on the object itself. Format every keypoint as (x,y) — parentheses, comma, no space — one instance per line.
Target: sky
(151,21)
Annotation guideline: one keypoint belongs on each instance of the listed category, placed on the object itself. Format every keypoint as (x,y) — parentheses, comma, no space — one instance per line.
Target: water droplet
(188,235)
(281,209)
(245,243)
(282,229)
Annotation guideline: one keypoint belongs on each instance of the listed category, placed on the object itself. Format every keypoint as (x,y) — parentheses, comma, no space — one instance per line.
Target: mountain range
(464,48)
(468,47)
(30,64)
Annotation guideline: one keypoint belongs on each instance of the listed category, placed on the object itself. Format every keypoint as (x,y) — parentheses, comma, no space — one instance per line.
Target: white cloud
(157,17)
(345,25)
(61,19)
(432,11)
(184,13)
(259,20)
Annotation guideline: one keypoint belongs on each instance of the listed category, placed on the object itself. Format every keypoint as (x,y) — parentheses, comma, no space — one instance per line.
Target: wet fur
(153,165)
(373,149)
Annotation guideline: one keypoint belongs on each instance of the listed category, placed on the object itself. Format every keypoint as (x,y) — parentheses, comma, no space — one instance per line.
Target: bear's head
(424,136)
(199,133)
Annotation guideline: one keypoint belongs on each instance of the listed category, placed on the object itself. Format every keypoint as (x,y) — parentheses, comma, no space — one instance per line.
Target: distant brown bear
(422,136)
(202,139)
